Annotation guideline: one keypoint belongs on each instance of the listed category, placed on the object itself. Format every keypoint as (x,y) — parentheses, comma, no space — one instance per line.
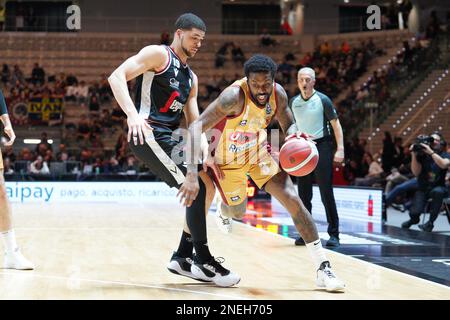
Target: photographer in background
(429,164)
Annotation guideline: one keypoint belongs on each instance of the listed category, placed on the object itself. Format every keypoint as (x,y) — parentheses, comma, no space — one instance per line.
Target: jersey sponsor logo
(170,101)
(242,137)
(243,123)
(174,83)
(237,149)
(176,105)
(268,109)
(176,62)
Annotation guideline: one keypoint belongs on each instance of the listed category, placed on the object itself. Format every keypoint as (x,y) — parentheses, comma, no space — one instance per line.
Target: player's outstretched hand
(12,136)
(189,189)
(137,126)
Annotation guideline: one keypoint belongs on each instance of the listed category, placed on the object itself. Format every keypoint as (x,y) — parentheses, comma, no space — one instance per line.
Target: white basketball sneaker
(326,279)
(213,271)
(17,261)
(225,224)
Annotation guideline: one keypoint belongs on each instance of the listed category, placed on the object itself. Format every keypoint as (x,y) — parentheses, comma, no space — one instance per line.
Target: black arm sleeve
(3,109)
(328,108)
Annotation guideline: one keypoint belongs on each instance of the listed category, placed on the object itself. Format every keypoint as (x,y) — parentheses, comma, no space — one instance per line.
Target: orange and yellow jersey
(244,135)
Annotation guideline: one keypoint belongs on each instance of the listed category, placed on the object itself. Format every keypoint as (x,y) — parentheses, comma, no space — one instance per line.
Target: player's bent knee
(236,211)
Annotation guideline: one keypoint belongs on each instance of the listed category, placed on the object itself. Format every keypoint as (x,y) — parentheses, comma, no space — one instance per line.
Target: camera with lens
(425,139)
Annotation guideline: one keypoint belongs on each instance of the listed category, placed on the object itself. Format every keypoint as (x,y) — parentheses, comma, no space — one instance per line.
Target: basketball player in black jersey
(167,88)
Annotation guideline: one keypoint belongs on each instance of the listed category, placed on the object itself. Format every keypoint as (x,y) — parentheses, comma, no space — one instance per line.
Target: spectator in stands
(17,76)
(433,27)
(351,171)
(387,157)
(221,55)
(63,154)
(37,75)
(131,166)
(286,28)
(325,49)
(237,54)
(94,105)
(8,152)
(165,38)
(266,39)
(49,156)
(286,69)
(7,166)
(25,155)
(345,47)
(113,166)
(430,166)
(105,119)
(70,80)
(305,61)
(39,166)
(84,127)
(6,74)
(374,174)
(97,167)
(81,92)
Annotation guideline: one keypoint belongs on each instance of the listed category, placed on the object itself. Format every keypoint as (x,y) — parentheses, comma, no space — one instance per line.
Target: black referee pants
(323,175)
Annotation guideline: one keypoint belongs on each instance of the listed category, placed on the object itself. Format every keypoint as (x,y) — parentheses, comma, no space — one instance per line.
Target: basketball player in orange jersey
(167,89)
(242,112)
(13,257)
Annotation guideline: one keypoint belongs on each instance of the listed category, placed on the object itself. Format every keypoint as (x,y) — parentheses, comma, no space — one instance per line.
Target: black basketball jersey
(161,96)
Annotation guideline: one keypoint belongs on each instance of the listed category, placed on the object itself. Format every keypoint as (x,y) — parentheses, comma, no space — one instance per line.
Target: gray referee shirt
(313,115)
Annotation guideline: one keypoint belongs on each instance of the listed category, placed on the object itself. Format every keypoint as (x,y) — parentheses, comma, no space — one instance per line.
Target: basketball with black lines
(299,157)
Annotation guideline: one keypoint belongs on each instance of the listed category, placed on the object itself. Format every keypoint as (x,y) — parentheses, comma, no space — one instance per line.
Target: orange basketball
(299,157)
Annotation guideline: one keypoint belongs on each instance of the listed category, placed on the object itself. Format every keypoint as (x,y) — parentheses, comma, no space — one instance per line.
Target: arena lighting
(440,128)
(429,90)
(410,109)
(346,1)
(378,129)
(425,94)
(35,141)
(417,101)
(402,117)
(393,126)
(369,138)
(409,129)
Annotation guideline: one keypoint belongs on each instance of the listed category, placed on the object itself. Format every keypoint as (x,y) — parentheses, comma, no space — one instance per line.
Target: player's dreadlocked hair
(187,21)
(260,63)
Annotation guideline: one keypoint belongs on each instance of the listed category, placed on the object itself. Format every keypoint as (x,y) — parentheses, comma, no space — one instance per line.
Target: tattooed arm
(284,113)
(230,102)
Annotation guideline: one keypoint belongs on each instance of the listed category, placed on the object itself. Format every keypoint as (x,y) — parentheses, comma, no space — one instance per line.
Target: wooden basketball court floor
(111,251)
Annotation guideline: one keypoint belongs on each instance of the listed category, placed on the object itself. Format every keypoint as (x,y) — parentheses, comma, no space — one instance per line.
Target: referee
(314,112)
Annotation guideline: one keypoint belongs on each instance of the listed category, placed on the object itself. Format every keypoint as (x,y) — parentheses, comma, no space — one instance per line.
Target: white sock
(9,238)
(317,253)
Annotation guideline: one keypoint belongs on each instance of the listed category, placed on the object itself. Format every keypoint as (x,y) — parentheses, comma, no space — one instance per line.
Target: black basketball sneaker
(215,272)
(182,266)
